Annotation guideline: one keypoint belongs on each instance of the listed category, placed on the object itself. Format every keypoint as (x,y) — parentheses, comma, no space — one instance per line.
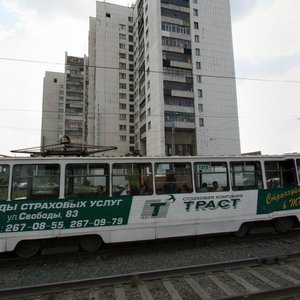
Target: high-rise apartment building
(161,78)
(65,103)
(76,99)
(111,83)
(53,108)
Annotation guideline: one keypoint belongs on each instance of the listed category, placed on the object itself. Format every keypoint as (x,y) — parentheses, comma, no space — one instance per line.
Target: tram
(126,199)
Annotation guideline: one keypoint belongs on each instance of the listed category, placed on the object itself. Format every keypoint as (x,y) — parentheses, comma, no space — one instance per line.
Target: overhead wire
(151,71)
(206,114)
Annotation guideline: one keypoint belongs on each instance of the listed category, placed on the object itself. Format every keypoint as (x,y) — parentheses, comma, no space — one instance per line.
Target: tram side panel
(132,218)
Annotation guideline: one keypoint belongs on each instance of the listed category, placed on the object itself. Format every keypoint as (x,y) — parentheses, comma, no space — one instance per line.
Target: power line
(153,71)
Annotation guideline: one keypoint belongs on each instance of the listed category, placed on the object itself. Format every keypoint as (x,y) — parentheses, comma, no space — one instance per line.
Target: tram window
(87,180)
(280,173)
(38,181)
(246,175)
(211,177)
(132,179)
(173,178)
(4,178)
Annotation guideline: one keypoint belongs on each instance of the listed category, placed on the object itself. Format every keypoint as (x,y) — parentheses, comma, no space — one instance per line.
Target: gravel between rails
(183,253)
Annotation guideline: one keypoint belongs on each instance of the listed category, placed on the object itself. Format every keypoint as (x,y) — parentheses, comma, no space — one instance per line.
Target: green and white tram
(125,199)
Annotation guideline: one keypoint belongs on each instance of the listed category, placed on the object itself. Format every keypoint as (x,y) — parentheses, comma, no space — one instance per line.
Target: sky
(35,34)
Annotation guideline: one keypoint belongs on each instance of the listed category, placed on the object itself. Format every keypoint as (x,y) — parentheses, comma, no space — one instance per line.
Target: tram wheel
(243,230)
(27,248)
(283,224)
(90,243)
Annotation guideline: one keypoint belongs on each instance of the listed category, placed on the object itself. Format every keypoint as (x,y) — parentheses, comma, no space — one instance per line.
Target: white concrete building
(65,103)
(111,86)
(183,97)
(160,80)
(53,112)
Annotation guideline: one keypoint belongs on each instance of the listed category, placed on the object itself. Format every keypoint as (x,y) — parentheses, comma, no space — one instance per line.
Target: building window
(197,51)
(198,65)
(122,116)
(195,1)
(149,125)
(131,98)
(107,15)
(200,93)
(122,106)
(199,78)
(122,26)
(131,108)
(122,75)
(200,107)
(122,46)
(122,55)
(122,66)
(130,19)
(122,85)
(130,29)
(131,139)
(196,25)
(130,38)
(195,12)
(55,80)
(122,36)
(197,38)
(122,96)
(122,138)
(149,111)
(122,127)
(131,129)
(174,42)
(201,122)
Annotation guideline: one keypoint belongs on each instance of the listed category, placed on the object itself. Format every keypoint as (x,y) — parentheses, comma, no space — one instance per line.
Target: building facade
(65,103)
(53,108)
(111,84)
(159,80)
(164,81)
(76,99)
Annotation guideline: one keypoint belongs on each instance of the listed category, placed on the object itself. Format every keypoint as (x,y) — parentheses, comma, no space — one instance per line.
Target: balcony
(176,7)
(174,78)
(180,125)
(183,94)
(180,64)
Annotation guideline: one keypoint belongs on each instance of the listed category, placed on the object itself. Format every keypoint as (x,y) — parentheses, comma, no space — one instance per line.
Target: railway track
(256,278)
(73,253)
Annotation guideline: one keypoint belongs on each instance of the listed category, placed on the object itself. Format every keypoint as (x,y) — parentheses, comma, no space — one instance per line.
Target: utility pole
(173,139)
